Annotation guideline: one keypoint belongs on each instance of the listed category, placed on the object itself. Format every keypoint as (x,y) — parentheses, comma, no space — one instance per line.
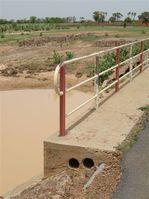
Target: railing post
(117,69)
(96,83)
(62,101)
(141,56)
(130,63)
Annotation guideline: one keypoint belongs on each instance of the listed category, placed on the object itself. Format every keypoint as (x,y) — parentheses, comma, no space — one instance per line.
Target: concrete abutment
(57,157)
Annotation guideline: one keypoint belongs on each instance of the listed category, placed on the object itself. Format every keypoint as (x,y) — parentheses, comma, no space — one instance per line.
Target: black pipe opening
(74,163)
(88,163)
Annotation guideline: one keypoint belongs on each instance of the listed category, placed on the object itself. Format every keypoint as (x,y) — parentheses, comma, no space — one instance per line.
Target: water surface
(27,118)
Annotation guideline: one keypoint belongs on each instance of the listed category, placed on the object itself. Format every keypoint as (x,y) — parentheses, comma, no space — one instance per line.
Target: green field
(107,31)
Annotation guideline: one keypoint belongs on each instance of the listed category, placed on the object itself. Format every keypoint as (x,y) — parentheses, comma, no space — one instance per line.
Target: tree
(117,16)
(144,17)
(112,19)
(99,16)
(33,19)
(47,20)
(128,20)
(132,15)
(129,13)
(3,21)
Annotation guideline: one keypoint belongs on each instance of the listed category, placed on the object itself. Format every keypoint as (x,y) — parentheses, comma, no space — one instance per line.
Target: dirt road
(135,166)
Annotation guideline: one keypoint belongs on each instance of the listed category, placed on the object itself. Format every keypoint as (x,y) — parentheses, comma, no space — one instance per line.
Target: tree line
(98,17)
(34,19)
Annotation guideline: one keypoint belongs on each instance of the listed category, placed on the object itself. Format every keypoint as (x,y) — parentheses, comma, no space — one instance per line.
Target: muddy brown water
(27,117)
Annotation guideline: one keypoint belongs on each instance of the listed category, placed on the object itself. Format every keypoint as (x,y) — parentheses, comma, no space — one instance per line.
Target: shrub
(69,55)
(56,57)
(107,61)
(124,54)
(135,49)
(2,36)
(146,45)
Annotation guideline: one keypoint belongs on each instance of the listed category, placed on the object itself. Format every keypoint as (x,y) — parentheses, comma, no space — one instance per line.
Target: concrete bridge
(95,138)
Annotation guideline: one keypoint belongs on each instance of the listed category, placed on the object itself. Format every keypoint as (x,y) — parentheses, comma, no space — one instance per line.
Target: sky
(17,9)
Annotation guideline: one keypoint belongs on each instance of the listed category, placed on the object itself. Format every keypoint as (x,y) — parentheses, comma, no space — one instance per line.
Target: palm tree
(129,13)
(134,15)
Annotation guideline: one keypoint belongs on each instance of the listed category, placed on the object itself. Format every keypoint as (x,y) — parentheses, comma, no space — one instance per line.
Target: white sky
(13,9)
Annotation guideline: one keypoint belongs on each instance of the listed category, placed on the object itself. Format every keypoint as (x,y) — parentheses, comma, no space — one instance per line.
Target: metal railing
(59,81)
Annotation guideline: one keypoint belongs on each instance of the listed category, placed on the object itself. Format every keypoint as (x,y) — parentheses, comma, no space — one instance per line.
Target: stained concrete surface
(135,166)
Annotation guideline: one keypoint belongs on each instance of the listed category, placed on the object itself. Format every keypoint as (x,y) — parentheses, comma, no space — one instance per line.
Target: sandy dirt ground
(32,67)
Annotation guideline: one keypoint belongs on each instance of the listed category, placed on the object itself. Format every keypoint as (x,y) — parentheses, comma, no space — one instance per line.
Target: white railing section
(144,54)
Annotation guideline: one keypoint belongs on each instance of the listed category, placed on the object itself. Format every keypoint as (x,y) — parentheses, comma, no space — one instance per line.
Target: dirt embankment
(32,66)
(59,39)
(70,183)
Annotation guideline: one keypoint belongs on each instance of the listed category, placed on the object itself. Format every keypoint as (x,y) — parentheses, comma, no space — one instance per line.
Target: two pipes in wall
(87,163)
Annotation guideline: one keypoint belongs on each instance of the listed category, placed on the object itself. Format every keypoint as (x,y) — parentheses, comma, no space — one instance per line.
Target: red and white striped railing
(59,77)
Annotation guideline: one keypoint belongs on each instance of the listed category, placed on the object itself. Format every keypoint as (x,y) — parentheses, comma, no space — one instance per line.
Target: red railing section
(61,89)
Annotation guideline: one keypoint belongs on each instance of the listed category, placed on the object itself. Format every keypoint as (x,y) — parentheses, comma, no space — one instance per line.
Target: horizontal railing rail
(60,88)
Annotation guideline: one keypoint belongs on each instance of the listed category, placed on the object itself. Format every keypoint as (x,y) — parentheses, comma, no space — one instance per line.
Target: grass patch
(14,38)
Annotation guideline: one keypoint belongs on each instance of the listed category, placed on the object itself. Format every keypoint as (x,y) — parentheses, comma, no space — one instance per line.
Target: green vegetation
(111,31)
(144,108)
(99,17)
(107,61)
(57,58)
(2,36)
(144,17)
(47,23)
(69,55)
(115,17)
